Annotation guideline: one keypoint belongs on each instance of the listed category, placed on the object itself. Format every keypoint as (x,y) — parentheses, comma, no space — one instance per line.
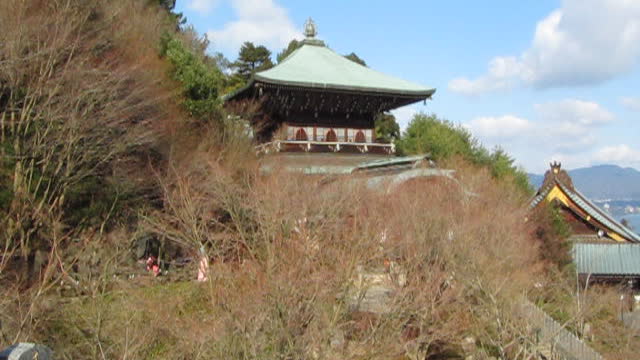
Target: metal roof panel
(607,259)
(320,67)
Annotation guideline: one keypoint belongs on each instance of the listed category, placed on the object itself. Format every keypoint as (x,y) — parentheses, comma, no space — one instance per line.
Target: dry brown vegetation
(286,253)
(89,121)
(82,112)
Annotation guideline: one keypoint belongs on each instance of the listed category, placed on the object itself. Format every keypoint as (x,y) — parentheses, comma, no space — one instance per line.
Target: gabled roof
(585,205)
(612,260)
(317,66)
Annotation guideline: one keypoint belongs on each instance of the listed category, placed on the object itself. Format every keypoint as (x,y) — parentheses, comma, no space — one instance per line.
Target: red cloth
(152,265)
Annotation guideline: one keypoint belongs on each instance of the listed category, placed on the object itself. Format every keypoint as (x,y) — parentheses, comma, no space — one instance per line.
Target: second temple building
(316,100)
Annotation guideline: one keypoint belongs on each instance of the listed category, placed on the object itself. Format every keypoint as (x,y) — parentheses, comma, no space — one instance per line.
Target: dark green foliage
(221,61)
(440,138)
(97,199)
(167,4)
(197,44)
(387,129)
(170,5)
(560,227)
(552,233)
(5,196)
(200,81)
(6,168)
(443,139)
(293,46)
(252,59)
(502,167)
(355,58)
(231,81)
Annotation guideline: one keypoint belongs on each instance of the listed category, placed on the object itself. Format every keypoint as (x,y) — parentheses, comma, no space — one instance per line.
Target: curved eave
(600,216)
(237,92)
(425,94)
(586,206)
(414,94)
(541,195)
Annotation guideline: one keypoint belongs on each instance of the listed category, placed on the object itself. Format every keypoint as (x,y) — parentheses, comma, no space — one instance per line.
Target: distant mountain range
(602,182)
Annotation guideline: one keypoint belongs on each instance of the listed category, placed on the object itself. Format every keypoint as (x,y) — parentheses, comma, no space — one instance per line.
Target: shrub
(200,81)
(552,232)
(446,140)
(440,138)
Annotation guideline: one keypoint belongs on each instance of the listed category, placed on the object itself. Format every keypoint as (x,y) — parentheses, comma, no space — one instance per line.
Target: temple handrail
(318,142)
(277,144)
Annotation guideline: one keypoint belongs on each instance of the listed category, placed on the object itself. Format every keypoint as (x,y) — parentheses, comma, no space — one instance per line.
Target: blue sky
(546,80)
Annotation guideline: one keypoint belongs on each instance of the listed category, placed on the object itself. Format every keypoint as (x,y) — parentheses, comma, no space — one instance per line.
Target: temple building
(603,249)
(316,100)
(587,221)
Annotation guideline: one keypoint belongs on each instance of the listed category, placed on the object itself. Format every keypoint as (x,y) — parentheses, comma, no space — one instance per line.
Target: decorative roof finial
(310,30)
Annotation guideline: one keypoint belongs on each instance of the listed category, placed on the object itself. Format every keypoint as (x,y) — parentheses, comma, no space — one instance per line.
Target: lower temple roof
(612,260)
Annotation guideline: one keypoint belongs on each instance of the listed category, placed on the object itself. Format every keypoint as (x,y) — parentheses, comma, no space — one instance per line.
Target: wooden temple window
(360,135)
(301,135)
(331,136)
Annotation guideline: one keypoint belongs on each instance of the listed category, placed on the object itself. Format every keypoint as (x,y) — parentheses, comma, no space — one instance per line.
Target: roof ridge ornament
(310,29)
(310,32)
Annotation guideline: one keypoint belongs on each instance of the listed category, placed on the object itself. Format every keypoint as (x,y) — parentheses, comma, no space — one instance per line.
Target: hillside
(602,182)
(135,222)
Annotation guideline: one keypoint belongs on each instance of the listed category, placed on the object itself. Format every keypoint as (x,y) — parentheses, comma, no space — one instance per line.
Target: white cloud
(569,161)
(260,21)
(632,103)
(572,144)
(576,112)
(202,6)
(506,126)
(569,125)
(618,154)
(565,130)
(584,42)
(503,74)
(564,126)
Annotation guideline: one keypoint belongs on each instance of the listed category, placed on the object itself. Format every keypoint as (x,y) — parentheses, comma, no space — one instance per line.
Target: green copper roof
(607,259)
(318,66)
